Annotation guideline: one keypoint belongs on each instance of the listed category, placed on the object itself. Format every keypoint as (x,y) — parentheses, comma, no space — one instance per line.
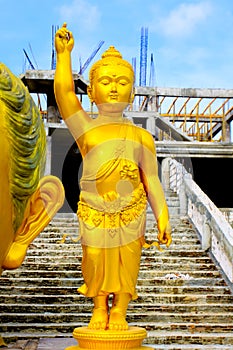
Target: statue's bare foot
(117,321)
(99,319)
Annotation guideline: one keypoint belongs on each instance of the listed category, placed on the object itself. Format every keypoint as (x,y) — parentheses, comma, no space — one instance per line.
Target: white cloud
(82,13)
(183,20)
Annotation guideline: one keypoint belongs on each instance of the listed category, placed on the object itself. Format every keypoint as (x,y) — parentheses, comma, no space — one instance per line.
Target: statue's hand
(64,40)
(164,236)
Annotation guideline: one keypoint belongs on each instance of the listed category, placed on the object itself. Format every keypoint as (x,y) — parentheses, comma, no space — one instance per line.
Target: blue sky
(192,41)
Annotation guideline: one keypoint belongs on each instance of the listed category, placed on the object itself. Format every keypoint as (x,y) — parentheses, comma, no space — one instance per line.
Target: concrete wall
(215,231)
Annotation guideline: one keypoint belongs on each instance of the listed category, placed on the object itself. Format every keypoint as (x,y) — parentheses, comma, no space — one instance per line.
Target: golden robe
(111,213)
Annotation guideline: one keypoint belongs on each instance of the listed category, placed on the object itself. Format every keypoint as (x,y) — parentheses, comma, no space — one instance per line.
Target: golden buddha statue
(28,200)
(119,177)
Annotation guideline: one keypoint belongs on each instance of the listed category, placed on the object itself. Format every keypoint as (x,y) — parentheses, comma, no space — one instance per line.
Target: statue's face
(112,87)
(6,220)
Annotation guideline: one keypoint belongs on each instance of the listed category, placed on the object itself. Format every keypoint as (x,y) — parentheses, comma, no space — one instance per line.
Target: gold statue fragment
(119,176)
(28,200)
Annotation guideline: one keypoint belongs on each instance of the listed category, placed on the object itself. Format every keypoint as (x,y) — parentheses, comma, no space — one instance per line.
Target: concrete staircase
(184,302)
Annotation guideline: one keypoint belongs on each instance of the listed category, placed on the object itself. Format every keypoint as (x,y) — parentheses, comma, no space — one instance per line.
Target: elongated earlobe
(90,93)
(41,207)
(132,96)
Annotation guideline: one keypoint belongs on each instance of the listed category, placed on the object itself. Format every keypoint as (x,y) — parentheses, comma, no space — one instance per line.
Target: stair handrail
(215,231)
(176,175)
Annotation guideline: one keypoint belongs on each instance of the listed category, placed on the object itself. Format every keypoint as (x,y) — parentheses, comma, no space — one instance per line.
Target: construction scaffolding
(202,114)
(53,60)
(143,56)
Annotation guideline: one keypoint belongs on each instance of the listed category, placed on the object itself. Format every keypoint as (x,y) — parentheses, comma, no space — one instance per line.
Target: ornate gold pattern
(129,172)
(116,213)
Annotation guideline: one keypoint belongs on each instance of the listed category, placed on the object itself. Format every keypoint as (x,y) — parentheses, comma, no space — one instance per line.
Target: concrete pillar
(165,174)
(150,124)
(53,114)
(228,132)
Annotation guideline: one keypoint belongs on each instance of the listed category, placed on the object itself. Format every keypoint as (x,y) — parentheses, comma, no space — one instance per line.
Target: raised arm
(154,189)
(68,103)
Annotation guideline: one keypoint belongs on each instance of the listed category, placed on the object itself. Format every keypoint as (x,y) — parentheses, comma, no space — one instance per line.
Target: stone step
(193,282)
(150,231)
(147,254)
(72,249)
(192,251)
(151,256)
(185,295)
(178,237)
(59,230)
(143,292)
(174,219)
(160,258)
(145,265)
(148,317)
(177,308)
(66,307)
(148,300)
(54,243)
(157,281)
(67,327)
(145,274)
(195,338)
(187,327)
